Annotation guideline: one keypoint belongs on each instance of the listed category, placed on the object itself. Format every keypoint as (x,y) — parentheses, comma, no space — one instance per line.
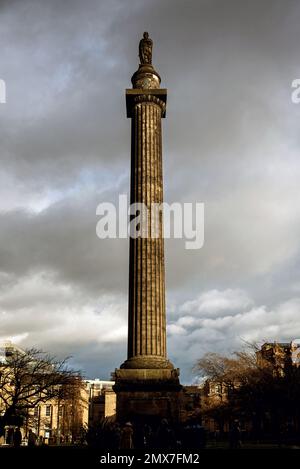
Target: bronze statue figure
(145,49)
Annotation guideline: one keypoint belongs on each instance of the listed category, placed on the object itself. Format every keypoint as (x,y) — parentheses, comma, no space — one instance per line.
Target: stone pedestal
(148,395)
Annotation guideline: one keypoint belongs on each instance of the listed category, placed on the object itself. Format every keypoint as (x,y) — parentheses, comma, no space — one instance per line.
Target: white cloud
(216,303)
(228,331)
(39,311)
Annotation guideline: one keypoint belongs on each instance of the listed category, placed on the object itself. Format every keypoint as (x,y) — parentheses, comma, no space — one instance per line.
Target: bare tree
(31,377)
(242,386)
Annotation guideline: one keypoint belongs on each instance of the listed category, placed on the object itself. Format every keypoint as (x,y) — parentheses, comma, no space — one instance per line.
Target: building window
(60,411)
(36,411)
(48,410)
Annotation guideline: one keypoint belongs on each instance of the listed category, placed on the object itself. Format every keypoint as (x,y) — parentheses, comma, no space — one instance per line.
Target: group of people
(145,436)
(163,435)
(14,437)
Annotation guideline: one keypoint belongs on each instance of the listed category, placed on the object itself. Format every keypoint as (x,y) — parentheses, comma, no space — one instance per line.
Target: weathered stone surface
(148,406)
(147,362)
(147,379)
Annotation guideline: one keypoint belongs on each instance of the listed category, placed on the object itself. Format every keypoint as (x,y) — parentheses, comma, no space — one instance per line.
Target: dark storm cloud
(63,240)
(66,65)
(231,140)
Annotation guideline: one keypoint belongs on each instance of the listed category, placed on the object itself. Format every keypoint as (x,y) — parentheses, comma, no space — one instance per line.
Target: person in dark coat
(235,436)
(31,438)
(17,437)
(165,437)
(127,436)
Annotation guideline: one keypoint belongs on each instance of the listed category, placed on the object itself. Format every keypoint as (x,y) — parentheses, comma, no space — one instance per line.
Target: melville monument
(147,384)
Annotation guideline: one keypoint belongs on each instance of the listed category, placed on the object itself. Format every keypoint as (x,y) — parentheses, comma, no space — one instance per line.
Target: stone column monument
(147,385)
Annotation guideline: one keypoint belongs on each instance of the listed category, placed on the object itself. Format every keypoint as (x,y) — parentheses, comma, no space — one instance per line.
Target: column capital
(157,96)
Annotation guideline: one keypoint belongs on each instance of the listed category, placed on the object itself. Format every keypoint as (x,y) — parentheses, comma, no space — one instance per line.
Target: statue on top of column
(145,49)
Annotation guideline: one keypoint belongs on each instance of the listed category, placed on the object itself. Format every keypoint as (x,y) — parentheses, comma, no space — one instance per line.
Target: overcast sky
(231,140)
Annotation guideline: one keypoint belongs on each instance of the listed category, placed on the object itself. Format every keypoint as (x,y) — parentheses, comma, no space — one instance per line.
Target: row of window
(48,411)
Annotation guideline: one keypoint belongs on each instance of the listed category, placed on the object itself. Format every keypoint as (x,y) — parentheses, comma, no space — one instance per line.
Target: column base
(147,395)
(147,362)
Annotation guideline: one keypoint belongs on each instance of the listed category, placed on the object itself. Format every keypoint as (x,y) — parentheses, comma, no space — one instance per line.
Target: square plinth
(147,395)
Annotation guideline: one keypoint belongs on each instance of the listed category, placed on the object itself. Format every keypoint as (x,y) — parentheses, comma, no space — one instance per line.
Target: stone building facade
(61,421)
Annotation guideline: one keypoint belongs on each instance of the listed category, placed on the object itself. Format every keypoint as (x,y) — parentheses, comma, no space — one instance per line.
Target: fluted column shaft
(147,318)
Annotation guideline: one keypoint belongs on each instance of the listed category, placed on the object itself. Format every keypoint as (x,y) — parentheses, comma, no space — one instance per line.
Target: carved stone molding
(150,98)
